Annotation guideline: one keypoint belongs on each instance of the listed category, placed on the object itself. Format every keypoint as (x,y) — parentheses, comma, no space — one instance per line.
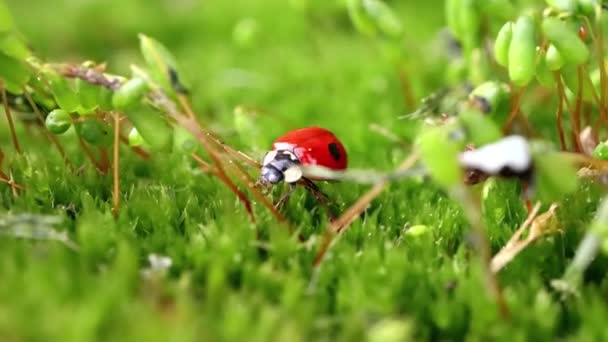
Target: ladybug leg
(281,202)
(320,196)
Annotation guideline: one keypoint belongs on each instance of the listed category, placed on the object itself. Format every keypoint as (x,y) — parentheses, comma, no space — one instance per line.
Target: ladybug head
(281,165)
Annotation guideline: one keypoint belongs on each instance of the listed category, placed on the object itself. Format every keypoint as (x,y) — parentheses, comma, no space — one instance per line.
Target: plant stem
(406,88)
(9,117)
(242,197)
(473,214)
(116,166)
(138,150)
(515,103)
(560,110)
(576,113)
(343,222)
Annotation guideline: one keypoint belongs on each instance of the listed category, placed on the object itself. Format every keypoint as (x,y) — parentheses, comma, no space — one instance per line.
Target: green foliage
(403,271)
(129,94)
(95,132)
(570,46)
(555,176)
(13,73)
(6,19)
(480,129)
(374,17)
(522,51)
(502,44)
(439,154)
(162,65)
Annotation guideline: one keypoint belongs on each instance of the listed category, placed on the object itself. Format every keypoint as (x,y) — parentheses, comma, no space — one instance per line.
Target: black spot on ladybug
(334,151)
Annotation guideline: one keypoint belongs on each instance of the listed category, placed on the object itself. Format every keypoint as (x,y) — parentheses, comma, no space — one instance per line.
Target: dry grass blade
(214,148)
(350,215)
(538,226)
(116,166)
(143,154)
(214,171)
(90,155)
(8,179)
(9,118)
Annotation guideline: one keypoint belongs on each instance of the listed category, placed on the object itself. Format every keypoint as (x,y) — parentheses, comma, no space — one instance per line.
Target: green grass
(224,283)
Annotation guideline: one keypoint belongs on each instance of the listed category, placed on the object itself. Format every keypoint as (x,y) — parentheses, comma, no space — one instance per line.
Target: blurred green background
(294,63)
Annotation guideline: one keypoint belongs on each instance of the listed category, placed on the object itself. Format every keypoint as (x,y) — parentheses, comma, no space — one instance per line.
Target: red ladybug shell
(314,146)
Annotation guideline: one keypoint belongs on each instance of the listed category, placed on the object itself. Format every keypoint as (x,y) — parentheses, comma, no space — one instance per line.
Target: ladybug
(304,146)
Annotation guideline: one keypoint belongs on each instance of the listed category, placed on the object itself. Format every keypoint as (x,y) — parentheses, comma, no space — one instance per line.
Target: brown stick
(406,89)
(105,160)
(9,118)
(138,150)
(472,212)
(116,166)
(340,225)
(515,103)
(6,179)
(241,195)
(89,154)
(504,255)
(576,113)
(599,40)
(560,110)
(211,146)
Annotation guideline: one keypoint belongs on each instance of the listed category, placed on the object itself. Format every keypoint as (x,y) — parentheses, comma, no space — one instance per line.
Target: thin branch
(9,117)
(116,166)
(343,222)
(560,110)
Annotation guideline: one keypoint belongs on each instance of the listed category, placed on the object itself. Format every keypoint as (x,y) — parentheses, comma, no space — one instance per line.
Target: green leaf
(95,132)
(440,155)
(153,127)
(553,58)
(571,48)
(359,18)
(88,96)
(135,139)
(544,75)
(502,43)
(470,23)
(183,140)
(555,176)
(569,6)
(6,20)
(601,151)
(522,51)
(452,16)
(129,94)
(162,65)
(371,17)
(383,17)
(570,77)
(63,92)
(13,73)
(495,97)
(480,129)
(12,46)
